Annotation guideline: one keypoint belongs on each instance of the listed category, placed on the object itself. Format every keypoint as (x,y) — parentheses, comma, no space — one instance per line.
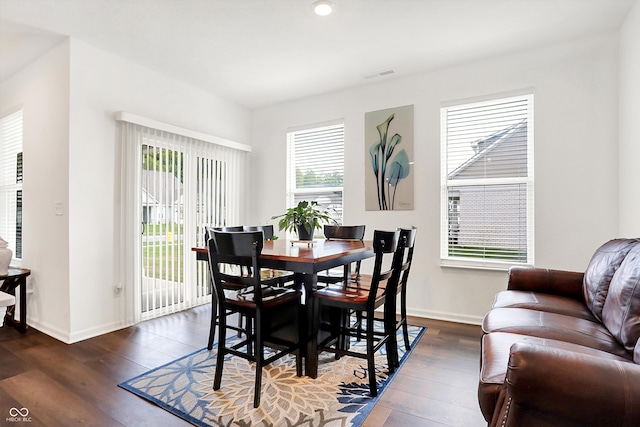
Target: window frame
(486,261)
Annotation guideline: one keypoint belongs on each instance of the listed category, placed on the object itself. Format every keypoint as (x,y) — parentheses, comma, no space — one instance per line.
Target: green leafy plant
(307,216)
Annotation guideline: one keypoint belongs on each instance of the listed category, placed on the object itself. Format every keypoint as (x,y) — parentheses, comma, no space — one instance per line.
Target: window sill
(479,264)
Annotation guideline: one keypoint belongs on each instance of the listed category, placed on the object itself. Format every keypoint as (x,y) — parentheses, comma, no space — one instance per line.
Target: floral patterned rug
(339,396)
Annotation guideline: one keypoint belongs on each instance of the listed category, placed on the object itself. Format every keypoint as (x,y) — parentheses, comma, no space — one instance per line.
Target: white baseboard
(49,330)
(99,330)
(74,337)
(449,317)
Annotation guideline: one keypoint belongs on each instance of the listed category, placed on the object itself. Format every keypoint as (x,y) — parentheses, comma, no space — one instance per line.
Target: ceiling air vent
(378,74)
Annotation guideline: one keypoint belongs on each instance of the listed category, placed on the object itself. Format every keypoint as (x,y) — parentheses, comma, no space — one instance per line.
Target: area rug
(339,396)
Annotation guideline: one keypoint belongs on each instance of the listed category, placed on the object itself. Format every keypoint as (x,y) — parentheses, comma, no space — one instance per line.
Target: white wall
(78,165)
(101,85)
(630,124)
(42,89)
(576,160)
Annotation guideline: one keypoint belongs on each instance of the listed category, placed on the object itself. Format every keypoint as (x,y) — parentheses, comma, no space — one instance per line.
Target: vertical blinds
(11,181)
(316,166)
(488,185)
(178,186)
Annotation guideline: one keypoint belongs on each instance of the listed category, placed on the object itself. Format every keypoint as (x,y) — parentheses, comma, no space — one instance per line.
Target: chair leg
(371,364)
(403,314)
(339,324)
(239,334)
(259,361)
(222,336)
(214,321)
(298,355)
(345,325)
(391,345)
(359,325)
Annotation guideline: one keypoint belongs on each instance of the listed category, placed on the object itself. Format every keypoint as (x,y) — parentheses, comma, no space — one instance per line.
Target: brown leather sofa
(562,348)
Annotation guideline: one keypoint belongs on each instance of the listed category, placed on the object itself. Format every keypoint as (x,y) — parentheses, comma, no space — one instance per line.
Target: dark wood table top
(310,258)
(15,272)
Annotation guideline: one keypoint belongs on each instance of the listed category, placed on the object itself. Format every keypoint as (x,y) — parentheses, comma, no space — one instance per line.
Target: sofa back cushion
(621,311)
(603,265)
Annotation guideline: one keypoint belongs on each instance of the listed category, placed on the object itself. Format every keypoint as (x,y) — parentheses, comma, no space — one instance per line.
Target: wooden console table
(16,277)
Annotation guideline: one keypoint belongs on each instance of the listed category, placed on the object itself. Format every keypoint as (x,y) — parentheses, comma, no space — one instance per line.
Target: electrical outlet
(118,288)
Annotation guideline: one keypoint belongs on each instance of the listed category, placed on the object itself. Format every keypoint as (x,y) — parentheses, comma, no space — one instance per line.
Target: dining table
(306,259)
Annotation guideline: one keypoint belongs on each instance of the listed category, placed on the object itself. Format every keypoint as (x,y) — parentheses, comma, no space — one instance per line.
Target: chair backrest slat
(267,230)
(384,245)
(355,232)
(407,241)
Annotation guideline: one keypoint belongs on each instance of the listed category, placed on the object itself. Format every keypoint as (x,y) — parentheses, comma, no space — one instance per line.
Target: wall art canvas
(389,159)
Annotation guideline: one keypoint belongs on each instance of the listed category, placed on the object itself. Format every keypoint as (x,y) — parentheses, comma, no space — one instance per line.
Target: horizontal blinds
(487,149)
(11,181)
(319,157)
(487,140)
(316,166)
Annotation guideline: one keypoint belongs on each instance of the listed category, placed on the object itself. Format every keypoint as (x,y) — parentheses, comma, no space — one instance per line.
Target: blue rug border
(171,409)
(356,422)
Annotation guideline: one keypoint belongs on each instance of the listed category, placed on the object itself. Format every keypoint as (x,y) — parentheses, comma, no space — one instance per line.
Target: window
(487,183)
(315,167)
(11,181)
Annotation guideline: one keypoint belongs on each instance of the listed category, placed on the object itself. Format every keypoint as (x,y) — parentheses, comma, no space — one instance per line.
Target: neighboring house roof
(161,188)
(148,199)
(497,155)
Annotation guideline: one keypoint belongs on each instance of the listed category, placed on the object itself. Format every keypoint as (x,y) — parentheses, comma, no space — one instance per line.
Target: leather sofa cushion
(553,326)
(496,349)
(621,311)
(543,302)
(600,271)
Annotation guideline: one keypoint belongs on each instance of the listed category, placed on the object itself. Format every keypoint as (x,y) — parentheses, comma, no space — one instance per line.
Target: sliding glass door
(162,239)
(175,187)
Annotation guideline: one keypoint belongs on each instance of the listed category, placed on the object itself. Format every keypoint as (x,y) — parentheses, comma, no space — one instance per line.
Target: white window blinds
(315,165)
(11,181)
(487,182)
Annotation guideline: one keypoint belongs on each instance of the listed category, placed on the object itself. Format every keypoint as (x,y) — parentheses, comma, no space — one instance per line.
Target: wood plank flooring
(64,385)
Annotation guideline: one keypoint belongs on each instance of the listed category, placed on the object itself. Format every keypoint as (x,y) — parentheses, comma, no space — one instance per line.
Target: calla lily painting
(388,161)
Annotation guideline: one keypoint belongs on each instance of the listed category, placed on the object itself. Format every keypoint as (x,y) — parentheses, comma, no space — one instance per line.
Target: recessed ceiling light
(322,7)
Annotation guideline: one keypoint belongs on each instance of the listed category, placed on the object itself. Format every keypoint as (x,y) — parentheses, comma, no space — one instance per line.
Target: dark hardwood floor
(64,385)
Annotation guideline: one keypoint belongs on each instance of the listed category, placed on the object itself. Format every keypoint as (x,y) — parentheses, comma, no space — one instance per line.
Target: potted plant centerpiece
(303,219)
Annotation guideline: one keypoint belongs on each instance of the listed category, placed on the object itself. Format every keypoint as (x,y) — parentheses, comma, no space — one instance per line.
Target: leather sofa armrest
(557,282)
(568,388)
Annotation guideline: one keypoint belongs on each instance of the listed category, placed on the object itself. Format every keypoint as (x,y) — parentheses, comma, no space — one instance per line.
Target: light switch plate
(58,208)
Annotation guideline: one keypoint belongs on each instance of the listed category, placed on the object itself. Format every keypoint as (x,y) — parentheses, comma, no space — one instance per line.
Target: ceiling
(262,52)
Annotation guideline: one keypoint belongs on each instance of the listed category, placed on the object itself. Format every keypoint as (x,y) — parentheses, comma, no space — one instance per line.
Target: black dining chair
(404,257)
(406,244)
(208,234)
(273,313)
(342,232)
(353,298)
